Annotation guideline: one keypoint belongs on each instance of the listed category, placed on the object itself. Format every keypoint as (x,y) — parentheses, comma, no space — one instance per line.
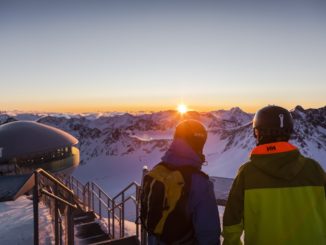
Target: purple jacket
(202,202)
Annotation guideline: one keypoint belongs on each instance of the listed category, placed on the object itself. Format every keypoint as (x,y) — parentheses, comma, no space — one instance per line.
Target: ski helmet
(273,122)
(193,132)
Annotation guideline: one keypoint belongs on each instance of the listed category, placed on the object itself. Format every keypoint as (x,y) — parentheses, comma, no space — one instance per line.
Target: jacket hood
(280,159)
(180,154)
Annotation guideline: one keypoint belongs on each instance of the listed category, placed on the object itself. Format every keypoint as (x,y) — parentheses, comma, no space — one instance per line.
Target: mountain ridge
(142,139)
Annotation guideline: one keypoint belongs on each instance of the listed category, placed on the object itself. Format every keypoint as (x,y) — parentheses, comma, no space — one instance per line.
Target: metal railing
(60,201)
(110,210)
(119,203)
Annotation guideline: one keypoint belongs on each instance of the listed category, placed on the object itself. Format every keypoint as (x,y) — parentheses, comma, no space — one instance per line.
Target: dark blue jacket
(202,202)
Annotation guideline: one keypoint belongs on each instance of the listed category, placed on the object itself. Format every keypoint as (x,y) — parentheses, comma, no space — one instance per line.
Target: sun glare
(182,108)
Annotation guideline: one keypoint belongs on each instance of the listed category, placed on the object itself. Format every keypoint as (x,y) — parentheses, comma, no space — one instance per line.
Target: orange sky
(68,107)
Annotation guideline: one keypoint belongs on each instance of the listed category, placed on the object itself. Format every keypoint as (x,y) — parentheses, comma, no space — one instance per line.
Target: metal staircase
(87,230)
(85,214)
(111,212)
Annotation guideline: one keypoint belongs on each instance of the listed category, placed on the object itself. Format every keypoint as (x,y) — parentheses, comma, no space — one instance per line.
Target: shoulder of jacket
(245,166)
(309,160)
(200,183)
(312,162)
(202,174)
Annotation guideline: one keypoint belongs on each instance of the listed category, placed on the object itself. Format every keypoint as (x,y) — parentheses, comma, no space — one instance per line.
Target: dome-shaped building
(27,145)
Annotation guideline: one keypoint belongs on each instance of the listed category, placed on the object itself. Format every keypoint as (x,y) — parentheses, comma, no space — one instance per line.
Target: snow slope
(16,223)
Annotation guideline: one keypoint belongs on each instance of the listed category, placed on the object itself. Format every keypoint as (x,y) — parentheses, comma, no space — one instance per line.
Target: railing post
(72,183)
(60,231)
(89,196)
(93,197)
(70,223)
(113,219)
(84,197)
(109,222)
(77,189)
(122,220)
(56,216)
(142,230)
(120,223)
(35,209)
(100,204)
(68,181)
(137,210)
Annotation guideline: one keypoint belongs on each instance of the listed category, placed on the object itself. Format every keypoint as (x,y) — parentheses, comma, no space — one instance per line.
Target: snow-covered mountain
(115,147)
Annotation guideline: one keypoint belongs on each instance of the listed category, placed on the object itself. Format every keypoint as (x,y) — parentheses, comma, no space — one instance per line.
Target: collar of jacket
(280,160)
(180,154)
(273,148)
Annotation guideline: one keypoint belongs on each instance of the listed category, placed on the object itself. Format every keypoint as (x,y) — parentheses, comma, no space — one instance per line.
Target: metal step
(88,230)
(84,218)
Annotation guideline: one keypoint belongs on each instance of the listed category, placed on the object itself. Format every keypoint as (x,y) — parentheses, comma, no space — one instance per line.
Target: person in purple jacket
(186,153)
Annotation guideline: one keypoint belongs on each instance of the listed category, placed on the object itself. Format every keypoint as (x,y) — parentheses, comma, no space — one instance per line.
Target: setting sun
(182,108)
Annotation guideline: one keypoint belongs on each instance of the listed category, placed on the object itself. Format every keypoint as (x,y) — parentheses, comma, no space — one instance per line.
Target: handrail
(100,189)
(58,182)
(132,198)
(79,186)
(134,183)
(43,191)
(86,194)
(100,200)
(125,200)
(115,207)
(96,199)
(121,207)
(53,190)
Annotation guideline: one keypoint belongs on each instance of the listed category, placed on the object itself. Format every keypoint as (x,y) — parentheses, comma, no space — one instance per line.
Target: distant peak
(236,110)
(299,108)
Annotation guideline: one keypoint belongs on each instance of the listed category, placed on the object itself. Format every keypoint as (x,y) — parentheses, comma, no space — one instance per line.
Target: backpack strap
(187,173)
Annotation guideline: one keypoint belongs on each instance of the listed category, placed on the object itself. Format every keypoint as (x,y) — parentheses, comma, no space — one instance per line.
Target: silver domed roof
(27,137)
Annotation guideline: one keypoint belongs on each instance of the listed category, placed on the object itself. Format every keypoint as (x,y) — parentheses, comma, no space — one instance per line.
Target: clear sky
(135,55)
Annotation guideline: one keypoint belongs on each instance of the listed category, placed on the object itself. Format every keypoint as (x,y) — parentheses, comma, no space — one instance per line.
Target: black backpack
(164,202)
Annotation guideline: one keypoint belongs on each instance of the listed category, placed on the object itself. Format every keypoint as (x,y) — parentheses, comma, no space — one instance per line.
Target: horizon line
(19,111)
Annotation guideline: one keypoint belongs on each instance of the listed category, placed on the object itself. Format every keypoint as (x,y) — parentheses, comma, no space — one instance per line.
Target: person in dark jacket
(186,151)
(278,196)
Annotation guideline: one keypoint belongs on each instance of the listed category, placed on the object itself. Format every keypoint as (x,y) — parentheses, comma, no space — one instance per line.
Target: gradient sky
(134,55)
